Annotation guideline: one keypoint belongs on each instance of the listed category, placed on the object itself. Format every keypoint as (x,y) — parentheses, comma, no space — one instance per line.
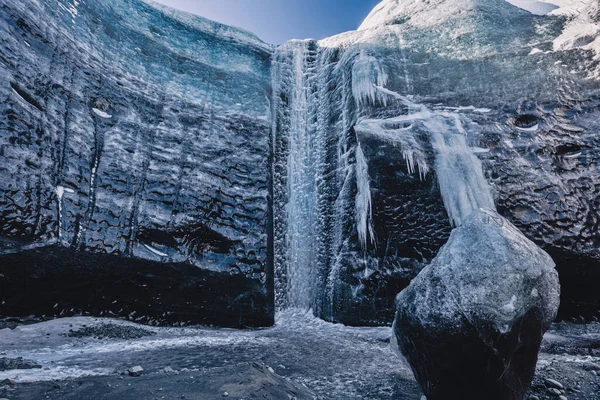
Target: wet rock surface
(471,323)
(250,381)
(568,364)
(110,331)
(118,138)
(329,361)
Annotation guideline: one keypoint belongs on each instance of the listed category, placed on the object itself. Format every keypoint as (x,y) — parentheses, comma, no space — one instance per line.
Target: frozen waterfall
(459,172)
(323,207)
(460,176)
(296,227)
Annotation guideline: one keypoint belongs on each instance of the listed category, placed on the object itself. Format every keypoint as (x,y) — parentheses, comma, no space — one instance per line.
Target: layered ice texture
(328,173)
(137,131)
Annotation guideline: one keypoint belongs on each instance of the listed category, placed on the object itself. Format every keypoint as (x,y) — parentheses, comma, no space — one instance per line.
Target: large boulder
(471,323)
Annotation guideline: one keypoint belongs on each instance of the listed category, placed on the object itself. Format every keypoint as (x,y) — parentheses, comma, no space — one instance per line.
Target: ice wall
(128,132)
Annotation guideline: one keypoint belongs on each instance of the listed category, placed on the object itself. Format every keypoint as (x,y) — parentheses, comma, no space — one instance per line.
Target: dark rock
(7,364)
(110,331)
(554,384)
(135,371)
(471,323)
(554,391)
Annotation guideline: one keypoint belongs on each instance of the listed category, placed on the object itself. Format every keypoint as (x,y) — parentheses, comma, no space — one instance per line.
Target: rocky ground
(569,365)
(301,357)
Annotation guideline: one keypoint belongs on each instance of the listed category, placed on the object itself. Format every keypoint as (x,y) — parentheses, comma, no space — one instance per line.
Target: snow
(470,108)
(390,10)
(60,192)
(155,251)
(52,373)
(101,113)
(532,128)
(582,31)
(418,13)
(535,7)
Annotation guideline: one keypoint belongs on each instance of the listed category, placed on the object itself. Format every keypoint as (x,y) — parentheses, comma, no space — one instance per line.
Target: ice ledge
(218,29)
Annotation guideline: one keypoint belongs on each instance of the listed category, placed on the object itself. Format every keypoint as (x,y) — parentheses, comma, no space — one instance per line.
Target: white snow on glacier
(582,31)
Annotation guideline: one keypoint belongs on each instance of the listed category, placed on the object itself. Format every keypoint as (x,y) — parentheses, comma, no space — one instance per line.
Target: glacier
(428,112)
(317,175)
(134,140)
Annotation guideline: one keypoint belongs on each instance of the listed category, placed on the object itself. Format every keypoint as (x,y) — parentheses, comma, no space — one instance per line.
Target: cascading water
(459,171)
(295,182)
(314,177)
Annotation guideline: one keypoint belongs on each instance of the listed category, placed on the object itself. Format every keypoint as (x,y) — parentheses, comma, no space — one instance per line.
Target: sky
(277,21)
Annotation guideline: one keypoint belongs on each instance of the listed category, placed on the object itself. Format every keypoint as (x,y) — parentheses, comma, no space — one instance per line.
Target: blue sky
(276,21)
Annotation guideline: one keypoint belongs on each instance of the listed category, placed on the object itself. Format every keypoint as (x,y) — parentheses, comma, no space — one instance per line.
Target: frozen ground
(85,358)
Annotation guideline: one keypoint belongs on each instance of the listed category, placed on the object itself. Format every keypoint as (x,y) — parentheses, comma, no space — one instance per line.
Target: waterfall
(459,172)
(295,176)
(314,173)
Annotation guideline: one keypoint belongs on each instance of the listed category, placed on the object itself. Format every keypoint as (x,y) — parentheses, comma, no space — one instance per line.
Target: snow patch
(156,251)
(583,29)
(534,7)
(101,113)
(470,108)
(528,129)
(511,306)
(51,374)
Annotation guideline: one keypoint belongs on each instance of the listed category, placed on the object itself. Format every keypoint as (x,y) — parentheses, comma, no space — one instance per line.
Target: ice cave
(407,210)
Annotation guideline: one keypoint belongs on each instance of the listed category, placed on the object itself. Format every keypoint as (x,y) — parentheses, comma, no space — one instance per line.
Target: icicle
(367,75)
(364,208)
